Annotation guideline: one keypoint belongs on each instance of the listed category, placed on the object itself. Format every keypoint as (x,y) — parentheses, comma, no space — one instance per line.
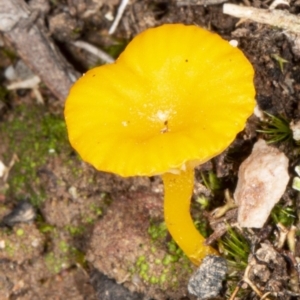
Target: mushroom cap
(176,97)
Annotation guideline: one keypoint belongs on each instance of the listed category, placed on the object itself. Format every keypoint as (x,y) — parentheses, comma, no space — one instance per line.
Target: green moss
(141,259)
(144,267)
(276,129)
(63,246)
(202,227)
(211,181)
(53,263)
(167,260)
(75,230)
(96,209)
(280,60)
(78,257)
(117,48)
(284,215)
(89,220)
(203,201)
(34,136)
(156,268)
(157,231)
(44,228)
(154,280)
(68,256)
(9,248)
(153,249)
(162,278)
(235,248)
(20,232)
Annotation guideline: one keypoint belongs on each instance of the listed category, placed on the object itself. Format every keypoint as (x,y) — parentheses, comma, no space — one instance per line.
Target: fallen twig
(34,46)
(291,239)
(199,2)
(29,83)
(277,18)
(283,232)
(118,17)
(94,50)
(236,290)
(4,171)
(247,280)
(279,2)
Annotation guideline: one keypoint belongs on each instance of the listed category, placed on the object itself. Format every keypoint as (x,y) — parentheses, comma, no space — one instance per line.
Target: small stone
(263,178)
(3,169)
(266,253)
(296,184)
(295,127)
(35,243)
(297,170)
(22,71)
(10,73)
(73,192)
(24,212)
(262,272)
(2,244)
(109,16)
(206,282)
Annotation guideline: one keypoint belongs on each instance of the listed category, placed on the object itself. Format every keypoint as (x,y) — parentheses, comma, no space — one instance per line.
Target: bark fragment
(21,27)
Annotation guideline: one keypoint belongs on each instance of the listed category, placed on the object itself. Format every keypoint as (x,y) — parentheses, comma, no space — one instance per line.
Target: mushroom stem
(178,192)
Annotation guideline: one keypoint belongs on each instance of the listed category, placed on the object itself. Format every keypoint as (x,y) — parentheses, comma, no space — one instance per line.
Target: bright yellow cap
(176,96)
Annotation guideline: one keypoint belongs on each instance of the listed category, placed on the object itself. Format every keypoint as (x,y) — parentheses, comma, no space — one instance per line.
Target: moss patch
(162,268)
(35,136)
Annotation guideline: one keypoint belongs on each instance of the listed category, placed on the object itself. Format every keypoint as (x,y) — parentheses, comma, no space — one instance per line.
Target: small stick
(237,288)
(38,96)
(119,15)
(32,43)
(199,2)
(94,50)
(221,211)
(291,239)
(283,232)
(279,2)
(30,83)
(247,280)
(6,171)
(277,18)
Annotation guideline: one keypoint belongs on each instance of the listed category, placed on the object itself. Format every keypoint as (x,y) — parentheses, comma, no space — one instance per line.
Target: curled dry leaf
(263,178)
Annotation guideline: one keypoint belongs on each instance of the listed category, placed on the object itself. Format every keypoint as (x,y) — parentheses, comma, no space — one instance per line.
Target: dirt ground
(86,234)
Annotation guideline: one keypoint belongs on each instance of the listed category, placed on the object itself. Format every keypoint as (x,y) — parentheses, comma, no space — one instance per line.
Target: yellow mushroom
(176,97)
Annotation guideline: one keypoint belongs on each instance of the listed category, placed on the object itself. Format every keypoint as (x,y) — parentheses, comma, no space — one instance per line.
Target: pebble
(262,180)
(24,212)
(206,282)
